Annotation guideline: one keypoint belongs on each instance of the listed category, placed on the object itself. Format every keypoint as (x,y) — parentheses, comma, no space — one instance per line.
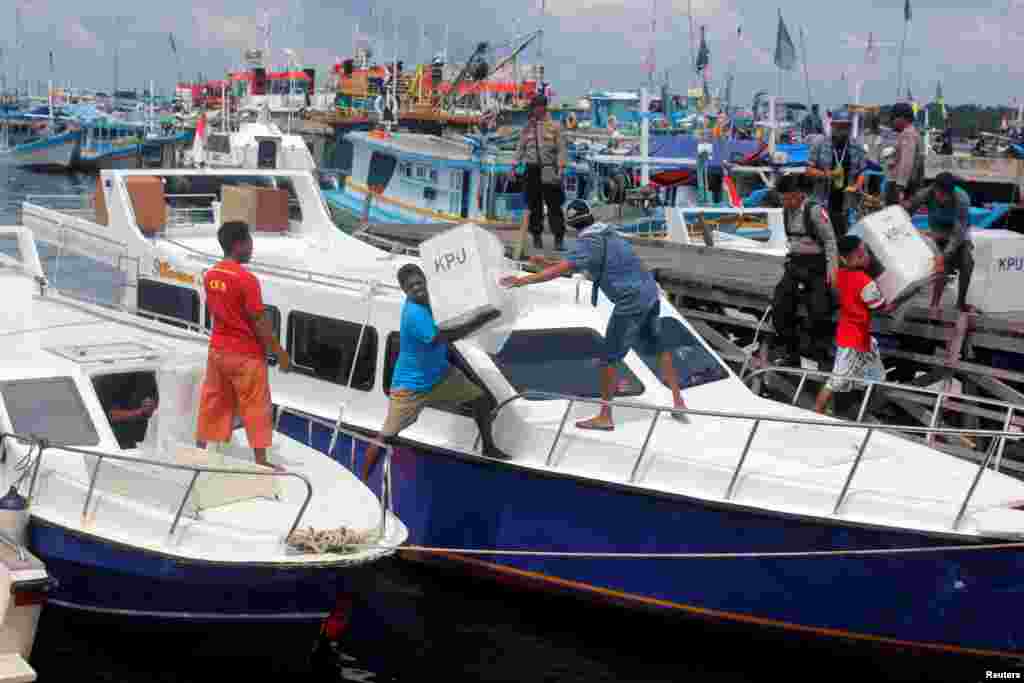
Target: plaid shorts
(852,365)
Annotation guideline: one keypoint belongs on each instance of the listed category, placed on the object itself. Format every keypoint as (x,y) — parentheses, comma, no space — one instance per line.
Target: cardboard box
(265,209)
(463,266)
(148,202)
(905,257)
(998,271)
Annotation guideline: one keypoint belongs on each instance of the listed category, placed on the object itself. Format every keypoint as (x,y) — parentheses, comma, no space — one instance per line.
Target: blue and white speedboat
(148,527)
(51,150)
(755,511)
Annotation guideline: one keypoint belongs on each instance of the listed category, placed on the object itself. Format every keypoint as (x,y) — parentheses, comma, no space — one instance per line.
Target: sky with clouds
(603,43)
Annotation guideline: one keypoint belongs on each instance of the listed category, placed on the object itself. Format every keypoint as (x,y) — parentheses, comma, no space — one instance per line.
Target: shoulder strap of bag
(536,142)
(604,266)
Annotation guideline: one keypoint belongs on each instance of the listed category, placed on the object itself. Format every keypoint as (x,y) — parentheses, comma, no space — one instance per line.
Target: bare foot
(276,468)
(599,423)
(681,417)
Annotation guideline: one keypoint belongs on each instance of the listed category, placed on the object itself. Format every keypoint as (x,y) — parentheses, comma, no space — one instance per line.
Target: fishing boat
(136,523)
(419,178)
(56,148)
(908,532)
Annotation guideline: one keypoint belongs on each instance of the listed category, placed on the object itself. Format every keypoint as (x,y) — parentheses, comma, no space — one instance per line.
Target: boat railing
(336,431)
(285,272)
(42,446)
(995,450)
(1010,415)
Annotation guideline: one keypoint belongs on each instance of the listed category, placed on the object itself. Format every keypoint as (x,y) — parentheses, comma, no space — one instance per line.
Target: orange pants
(235,384)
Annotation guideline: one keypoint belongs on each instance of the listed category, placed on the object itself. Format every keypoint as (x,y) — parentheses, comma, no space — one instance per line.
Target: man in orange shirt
(236,369)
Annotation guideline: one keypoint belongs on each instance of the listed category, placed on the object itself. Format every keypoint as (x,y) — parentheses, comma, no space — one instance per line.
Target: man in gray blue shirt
(618,272)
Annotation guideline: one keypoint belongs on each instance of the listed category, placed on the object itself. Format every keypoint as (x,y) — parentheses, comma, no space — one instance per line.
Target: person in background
(423,375)
(541,144)
(809,273)
(130,400)
(949,224)
(947,141)
(907,166)
(835,163)
(617,272)
(236,382)
(857,355)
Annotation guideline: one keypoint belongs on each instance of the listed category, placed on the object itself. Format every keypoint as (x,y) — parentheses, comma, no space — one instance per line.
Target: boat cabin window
(121,394)
(168,301)
(275,320)
(193,195)
(560,361)
(49,408)
(693,363)
(266,154)
(382,167)
(324,348)
(219,143)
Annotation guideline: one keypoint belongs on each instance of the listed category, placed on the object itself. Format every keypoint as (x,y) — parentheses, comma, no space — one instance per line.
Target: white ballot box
(463,266)
(998,271)
(905,257)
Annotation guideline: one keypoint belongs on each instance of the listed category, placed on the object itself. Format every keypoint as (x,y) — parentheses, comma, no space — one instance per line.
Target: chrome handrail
(43,445)
(333,280)
(337,429)
(1001,435)
(939,396)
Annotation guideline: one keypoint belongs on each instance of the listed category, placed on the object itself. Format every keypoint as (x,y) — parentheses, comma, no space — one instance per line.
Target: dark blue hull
(97,576)
(964,601)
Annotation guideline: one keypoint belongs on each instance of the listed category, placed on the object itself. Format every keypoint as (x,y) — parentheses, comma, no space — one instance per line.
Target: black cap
(539,101)
(902,110)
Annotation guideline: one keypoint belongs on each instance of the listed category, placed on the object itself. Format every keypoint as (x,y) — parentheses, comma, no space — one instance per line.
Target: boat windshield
(566,361)
(49,408)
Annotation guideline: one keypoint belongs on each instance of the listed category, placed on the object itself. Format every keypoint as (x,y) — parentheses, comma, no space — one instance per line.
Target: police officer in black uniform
(810,272)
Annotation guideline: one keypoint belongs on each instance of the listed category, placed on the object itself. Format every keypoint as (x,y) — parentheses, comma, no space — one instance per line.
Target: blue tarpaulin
(685,147)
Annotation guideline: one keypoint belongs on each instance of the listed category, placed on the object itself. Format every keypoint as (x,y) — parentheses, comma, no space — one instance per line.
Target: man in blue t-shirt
(617,271)
(423,376)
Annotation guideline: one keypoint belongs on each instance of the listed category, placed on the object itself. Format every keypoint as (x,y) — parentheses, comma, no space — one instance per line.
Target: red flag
(734,196)
(201,127)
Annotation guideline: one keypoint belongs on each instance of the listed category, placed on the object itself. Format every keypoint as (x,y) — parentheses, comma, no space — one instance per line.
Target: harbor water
(450,626)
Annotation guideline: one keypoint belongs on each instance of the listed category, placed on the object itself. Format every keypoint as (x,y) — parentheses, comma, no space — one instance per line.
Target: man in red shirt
(236,370)
(857,355)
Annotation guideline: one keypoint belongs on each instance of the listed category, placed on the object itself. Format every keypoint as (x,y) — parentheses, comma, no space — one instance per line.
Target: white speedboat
(753,487)
(149,526)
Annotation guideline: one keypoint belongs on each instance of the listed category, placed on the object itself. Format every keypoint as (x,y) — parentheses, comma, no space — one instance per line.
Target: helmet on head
(577,213)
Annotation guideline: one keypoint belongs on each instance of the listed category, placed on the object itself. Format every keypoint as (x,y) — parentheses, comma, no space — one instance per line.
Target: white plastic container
(463,266)
(905,257)
(998,271)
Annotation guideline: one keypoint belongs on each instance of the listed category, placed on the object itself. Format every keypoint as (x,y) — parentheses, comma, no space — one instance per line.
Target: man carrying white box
(949,224)
(618,272)
(423,375)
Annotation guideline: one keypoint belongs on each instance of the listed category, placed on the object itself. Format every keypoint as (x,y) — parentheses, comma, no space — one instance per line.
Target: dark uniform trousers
(804,280)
